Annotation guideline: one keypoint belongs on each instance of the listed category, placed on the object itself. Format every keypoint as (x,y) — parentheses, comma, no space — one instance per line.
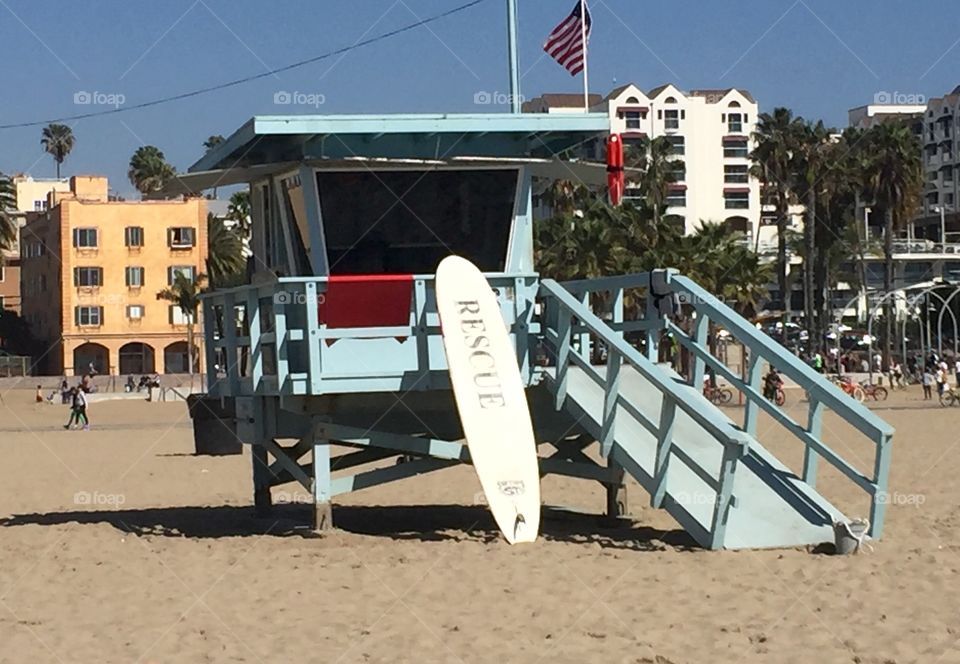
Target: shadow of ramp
(426,523)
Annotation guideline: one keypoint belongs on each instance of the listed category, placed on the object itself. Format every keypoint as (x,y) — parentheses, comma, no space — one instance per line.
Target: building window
(135,311)
(736,174)
(88,316)
(87,276)
(177,317)
(736,200)
(671,120)
(679,144)
(133,236)
(186,270)
(679,170)
(181,238)
(85,238)
(735,123)
(39,206)
(633,119)
(3,273)
(677,198)
(735,149)
(135,277)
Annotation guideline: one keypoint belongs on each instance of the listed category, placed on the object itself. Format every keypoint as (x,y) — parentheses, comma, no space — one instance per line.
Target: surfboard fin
(517,523)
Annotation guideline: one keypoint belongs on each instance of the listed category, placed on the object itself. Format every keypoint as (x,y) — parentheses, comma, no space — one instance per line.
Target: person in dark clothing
(771,383)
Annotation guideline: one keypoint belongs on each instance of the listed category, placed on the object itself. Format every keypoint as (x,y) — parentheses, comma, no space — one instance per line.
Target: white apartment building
(711,131)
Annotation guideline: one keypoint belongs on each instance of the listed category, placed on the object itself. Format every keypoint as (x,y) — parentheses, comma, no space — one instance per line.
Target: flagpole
(513,56)
(583,36)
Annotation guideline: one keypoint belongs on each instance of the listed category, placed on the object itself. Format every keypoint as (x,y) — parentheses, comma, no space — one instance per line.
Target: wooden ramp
(770,506)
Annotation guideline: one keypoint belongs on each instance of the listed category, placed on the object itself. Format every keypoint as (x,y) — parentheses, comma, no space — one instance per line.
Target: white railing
(925,247)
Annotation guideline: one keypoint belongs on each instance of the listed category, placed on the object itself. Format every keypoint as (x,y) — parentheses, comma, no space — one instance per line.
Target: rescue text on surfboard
(485,377)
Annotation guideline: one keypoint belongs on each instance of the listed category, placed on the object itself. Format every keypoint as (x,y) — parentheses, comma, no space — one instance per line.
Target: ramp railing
(564,317)
(762,349)
(821,393)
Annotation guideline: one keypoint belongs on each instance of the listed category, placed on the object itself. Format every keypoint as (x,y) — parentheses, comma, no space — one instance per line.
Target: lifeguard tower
(336,342)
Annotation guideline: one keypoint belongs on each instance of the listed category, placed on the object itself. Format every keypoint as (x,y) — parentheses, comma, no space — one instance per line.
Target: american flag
(566,43)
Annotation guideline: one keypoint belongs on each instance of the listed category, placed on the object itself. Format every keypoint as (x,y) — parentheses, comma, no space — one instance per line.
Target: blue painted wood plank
(814,427)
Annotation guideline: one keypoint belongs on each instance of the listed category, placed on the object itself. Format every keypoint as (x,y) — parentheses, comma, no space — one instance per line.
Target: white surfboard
(490,398)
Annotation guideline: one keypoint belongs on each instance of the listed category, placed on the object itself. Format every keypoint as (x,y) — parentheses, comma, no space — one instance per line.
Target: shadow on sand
(418,522)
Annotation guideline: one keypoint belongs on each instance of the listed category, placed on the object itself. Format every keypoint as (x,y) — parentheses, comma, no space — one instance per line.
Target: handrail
(267,285)
(649,370)
(816,385)
(844,466)
(636,280)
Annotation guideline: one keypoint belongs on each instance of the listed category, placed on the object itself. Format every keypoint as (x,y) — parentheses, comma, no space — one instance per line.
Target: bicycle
(779,397)
(851,389)
(949,397)
(876,392)
(718,395)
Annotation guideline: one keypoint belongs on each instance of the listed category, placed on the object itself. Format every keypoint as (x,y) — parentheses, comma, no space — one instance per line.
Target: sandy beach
(119,545)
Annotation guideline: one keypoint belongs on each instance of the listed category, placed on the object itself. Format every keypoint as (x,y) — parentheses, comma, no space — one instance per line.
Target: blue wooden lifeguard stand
(336,342)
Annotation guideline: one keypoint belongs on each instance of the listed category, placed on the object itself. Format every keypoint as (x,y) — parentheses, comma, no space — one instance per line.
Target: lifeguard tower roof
(269,144)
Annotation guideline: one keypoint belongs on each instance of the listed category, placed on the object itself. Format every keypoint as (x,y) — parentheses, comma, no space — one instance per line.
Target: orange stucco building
(91,271)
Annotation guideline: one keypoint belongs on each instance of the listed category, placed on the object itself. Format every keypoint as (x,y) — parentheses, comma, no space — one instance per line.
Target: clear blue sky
(819,57)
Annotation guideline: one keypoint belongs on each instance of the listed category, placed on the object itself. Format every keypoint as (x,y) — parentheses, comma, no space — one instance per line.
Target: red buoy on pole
(616,180)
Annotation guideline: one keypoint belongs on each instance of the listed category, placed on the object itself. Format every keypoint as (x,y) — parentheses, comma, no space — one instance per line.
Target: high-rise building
(91,271)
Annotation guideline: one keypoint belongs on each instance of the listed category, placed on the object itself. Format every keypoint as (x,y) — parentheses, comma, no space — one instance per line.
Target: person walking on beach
(78,410)
(927,384)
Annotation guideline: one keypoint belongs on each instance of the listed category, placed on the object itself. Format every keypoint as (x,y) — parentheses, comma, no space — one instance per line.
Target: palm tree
(561,196)
(895,181)
(8,224)
(775,139)
(58,141)
(185,294)
(811,142)
(239,212)
(656,158)
(213,142)
(225,261)
(149,170)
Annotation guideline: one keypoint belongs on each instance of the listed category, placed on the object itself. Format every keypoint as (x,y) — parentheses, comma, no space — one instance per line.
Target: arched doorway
(136,358)
(175,359)
(91,356)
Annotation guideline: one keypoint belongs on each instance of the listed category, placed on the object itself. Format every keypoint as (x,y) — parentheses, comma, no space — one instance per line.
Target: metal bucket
(848,537)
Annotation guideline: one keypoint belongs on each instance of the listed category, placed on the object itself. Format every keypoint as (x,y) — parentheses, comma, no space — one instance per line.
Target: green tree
(8,223)
(185,294)
(238,212)
(810,163)
(149,170)
(213,141)
(225,260)
(773,154)
(58,142)
(895,183)
(658,165)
